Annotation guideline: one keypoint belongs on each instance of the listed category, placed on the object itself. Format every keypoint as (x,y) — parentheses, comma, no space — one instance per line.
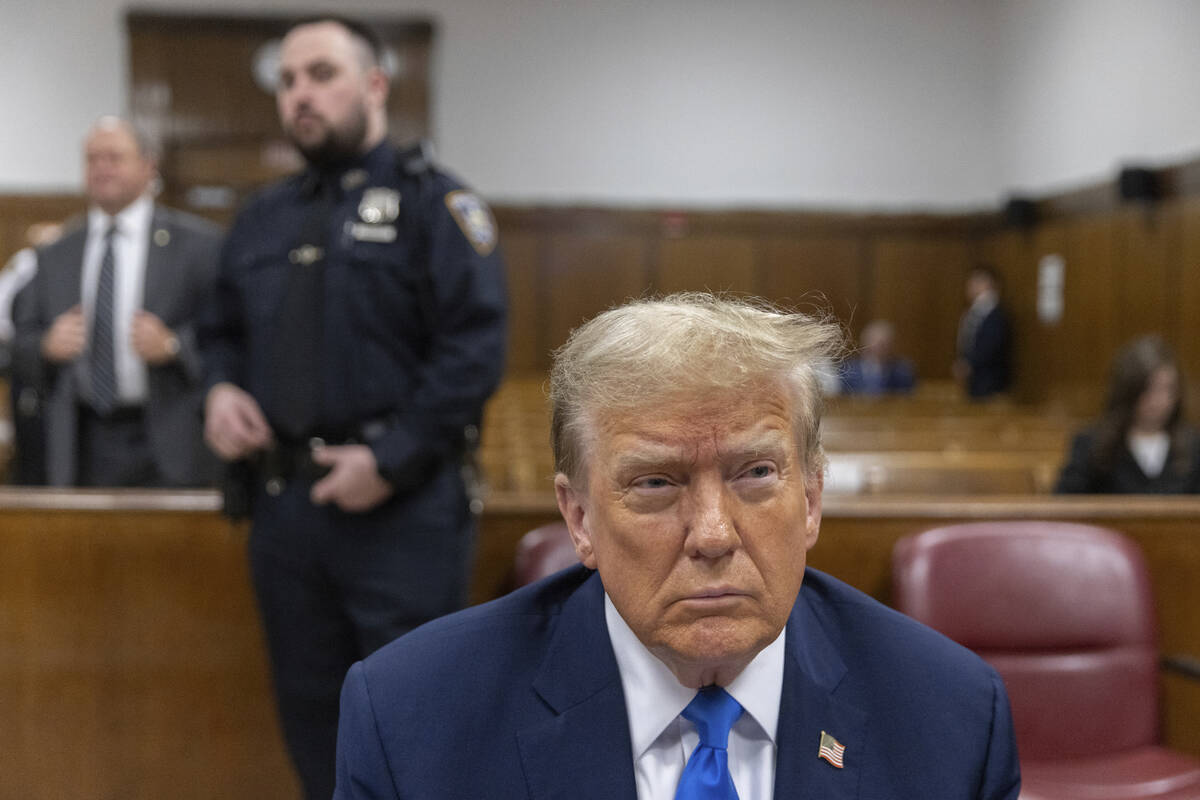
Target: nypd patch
(474,219)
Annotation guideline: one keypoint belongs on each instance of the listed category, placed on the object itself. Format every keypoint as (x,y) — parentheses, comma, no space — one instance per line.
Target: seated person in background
(691,654)
(877,370)
(1141,445)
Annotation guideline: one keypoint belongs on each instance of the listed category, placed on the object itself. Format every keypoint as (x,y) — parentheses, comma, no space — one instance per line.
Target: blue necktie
(706,775)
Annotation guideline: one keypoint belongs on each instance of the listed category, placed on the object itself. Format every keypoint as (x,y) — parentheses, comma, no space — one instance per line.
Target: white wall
(1089,85)
(881,104)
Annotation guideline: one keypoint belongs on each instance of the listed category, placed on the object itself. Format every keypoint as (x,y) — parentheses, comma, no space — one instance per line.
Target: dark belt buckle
(307,468)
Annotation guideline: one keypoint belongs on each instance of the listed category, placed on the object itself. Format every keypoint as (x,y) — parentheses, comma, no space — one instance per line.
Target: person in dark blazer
(691,645)
(24,402)
(877,369)
(137,272)
(1142,444)
(984,358)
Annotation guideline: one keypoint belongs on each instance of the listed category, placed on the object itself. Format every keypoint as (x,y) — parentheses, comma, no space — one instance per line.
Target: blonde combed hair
(687,345)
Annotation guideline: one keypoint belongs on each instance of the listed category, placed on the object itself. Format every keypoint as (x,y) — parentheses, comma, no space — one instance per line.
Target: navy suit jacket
(521,698)
(990,356)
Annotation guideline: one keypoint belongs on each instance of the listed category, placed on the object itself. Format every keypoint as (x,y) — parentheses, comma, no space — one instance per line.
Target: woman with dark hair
(1141,445)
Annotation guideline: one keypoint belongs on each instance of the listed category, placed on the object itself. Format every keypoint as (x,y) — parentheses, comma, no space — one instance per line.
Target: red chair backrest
(1063,611)
(543,551)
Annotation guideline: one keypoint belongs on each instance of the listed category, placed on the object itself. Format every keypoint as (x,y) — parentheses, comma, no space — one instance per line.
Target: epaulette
(416,158)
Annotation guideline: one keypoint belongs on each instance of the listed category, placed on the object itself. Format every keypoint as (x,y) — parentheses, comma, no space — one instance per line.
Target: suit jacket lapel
(70,290)
(584,751)
(156,276)
(812,671)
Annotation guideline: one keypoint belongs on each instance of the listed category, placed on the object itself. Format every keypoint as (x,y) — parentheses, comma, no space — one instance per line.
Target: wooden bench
(899,448)
(947,472)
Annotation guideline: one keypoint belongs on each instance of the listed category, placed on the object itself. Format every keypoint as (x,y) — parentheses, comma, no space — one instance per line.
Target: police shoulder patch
(474,219)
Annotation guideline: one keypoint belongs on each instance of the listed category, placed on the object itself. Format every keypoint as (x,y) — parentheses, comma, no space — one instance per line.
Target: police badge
(474,219)
(379,205)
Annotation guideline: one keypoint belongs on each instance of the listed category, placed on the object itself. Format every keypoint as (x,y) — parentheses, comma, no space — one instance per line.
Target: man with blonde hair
(692,654)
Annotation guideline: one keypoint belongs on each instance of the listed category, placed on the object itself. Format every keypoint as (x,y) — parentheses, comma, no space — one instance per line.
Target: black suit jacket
(1079,476)
(181,262)
(989,355)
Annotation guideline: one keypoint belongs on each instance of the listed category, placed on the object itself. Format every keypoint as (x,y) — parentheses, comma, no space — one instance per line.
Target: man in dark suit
(105,328)
(692,654)
(984,338)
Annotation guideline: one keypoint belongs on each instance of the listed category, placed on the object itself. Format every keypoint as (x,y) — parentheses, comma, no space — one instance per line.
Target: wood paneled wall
(1131,268)
(565,265)
(18,212)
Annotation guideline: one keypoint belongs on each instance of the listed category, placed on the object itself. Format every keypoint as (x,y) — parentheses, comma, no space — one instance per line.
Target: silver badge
(162,237)
(306,254)
(379,204)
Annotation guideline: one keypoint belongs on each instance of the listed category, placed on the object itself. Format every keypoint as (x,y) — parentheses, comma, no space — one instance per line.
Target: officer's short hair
(360,32)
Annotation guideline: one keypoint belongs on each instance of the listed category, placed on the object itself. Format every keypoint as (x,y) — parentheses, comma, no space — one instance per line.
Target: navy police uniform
(409,338)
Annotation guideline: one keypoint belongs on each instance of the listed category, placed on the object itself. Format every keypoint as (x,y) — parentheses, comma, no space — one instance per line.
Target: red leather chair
(1064,613)
(541,552)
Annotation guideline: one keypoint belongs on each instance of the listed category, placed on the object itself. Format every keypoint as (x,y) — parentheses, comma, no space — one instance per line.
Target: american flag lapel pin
(832,750)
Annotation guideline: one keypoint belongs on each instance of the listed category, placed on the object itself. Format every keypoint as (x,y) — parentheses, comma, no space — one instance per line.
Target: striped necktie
(103,362)
(706,775)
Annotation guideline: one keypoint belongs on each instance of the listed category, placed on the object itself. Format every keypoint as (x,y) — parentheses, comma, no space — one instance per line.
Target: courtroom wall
(1130,268)
(1087,85)
(872,104)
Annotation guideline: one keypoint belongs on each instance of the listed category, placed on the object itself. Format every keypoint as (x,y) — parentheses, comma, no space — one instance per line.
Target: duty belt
(291,460)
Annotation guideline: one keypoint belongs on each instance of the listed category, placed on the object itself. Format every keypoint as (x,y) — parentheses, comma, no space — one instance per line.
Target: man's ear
(813,487)
(378,86)
(571,506)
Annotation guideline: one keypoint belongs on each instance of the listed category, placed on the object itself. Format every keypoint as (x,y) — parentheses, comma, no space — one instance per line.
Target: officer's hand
(66,338)
(152,340)
(234,425)
(354,484)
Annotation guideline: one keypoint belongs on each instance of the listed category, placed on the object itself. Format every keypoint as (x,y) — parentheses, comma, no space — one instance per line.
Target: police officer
(356,331)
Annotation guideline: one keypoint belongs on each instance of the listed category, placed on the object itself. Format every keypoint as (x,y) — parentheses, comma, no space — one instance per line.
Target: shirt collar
(654,698)
(130,220)
(984,303)
(375,166)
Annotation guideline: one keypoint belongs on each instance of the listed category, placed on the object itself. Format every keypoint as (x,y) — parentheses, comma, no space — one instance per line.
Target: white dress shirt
(1149,450)
(131,243)
(663,740)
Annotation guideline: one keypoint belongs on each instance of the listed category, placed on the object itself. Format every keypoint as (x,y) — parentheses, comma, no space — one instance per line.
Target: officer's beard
(338,145)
